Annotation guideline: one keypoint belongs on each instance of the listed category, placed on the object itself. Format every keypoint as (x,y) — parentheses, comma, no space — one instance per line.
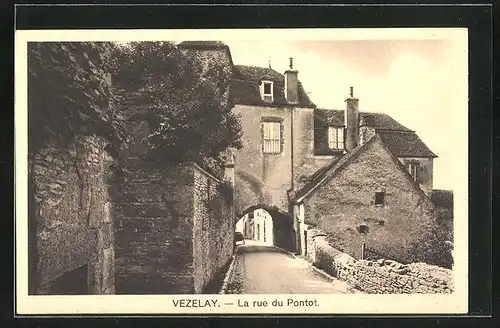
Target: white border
(456,303)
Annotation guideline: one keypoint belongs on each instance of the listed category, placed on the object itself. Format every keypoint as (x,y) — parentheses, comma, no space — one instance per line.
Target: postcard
(271,171)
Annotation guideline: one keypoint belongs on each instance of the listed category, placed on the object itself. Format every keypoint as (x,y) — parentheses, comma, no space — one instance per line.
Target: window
(363,228)
(271,137)
(413,168)
(335,138)
(266,90)
(379,198)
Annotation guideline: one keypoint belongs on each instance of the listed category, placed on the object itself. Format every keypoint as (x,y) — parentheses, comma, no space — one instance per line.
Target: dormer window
(336,138)
(413,168)
(266,90)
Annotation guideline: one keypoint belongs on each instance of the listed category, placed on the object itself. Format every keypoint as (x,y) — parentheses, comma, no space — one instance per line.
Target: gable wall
(347,200)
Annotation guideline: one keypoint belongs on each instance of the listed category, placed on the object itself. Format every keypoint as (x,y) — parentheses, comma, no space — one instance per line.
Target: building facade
(290,146)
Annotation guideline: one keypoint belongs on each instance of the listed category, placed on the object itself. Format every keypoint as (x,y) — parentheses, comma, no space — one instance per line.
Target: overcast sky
(418,76)
(420,83)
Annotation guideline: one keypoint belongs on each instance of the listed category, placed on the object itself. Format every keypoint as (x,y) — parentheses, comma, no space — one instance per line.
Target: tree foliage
(190,115)
(431,244)
(68,93)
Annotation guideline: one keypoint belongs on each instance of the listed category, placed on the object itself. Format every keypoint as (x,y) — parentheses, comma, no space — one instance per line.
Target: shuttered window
(271,137)
(413,168)
(335,138)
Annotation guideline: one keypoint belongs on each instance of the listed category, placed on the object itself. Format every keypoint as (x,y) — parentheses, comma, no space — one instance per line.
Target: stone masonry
(381,276)
(70,220)
(346,201)
(174,230)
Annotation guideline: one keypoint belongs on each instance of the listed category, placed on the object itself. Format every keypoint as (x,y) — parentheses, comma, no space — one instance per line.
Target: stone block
(108,267)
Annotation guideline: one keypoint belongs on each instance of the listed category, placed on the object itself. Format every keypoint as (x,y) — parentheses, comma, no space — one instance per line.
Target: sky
(421,83)
(417,76)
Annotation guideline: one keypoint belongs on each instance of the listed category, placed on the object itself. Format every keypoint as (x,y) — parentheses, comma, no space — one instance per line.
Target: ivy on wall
(190,115)
(68,93)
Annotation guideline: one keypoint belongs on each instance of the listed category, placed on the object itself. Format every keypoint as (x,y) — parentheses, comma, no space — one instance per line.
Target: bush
(190,118)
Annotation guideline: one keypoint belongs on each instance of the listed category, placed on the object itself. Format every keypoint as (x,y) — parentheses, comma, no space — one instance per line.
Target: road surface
(262,269)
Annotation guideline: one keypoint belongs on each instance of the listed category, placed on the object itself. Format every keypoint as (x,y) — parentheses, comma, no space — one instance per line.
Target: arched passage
(268,225)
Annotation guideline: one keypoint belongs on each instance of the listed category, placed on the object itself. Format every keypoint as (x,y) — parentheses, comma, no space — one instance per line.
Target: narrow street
(260,269)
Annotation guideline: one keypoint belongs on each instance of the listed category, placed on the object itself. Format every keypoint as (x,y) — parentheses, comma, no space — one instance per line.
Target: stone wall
(70,221)
(347,200)
(381,276)
(213,229)
(154,231)
(169,238)
(175,233)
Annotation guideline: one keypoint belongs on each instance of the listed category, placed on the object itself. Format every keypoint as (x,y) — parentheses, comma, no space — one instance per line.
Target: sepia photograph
(317,165)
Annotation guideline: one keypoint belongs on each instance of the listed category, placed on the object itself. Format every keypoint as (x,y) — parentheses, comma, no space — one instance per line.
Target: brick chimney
(291,84)
(351,121)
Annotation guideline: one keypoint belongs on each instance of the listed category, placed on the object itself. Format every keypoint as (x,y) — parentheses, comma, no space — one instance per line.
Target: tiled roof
(379,121)
(402,141)
(405,144)
(331,169)
(245,87)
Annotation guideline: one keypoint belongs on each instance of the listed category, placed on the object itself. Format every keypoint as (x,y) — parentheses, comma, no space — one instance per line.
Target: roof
(402,141)
(245,87)
(379,121)
(331,169)
(206,45)
(406,144)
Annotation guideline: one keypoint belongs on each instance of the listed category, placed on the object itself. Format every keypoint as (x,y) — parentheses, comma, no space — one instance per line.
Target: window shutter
(262,136)
(282,135)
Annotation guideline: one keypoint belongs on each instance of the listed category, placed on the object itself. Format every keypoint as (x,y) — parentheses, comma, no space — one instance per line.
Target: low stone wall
(381,276)
(390,277)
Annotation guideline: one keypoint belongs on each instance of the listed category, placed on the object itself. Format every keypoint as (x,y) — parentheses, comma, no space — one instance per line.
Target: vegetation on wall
(431,245)
(68,93)
(190,115)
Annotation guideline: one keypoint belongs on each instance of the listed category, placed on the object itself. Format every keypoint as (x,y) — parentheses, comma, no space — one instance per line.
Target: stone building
(257,226)
(379,173)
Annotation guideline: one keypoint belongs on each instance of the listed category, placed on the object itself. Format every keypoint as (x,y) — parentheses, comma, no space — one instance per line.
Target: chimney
(291,84)
(351,121)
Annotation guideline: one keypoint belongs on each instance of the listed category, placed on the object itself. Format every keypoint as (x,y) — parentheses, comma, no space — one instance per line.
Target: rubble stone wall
(381,276)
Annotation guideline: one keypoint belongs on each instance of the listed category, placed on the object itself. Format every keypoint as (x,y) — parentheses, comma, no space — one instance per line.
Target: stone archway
(283,233)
